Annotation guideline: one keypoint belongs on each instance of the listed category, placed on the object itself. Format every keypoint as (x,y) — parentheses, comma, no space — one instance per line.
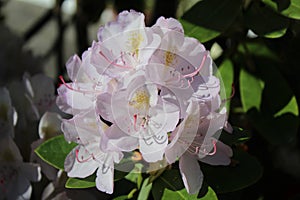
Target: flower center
(140,100)
(135,41)
(169,58)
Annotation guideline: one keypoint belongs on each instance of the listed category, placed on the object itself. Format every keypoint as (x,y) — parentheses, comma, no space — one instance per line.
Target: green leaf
(276,34)
(135,175)
(225,179)
(215,15)
(226,76)
(251,90)
(257,49)
(90,180)
(77,183)
(207,19)
(291,107)
(280,130)
(170,179)
(169,194)
(200,33)
(123,197)
(290,9)
(55,150)
(264,21)
(236,137)
(145,190)
(124,188)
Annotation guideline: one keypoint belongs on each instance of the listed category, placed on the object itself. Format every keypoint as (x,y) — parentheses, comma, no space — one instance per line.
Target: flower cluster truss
(145,89)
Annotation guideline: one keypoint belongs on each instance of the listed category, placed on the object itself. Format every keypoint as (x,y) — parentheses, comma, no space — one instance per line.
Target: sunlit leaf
(135,175)
(81,182)
(291,107)
(251,91)
(209,18)
(198,32)
(257,49)
(213,14)
(170,179)
(145,190)
(184,195)
(226,75)
(276,34)
(54,151)
(291,9)
(90,180)
(225,179)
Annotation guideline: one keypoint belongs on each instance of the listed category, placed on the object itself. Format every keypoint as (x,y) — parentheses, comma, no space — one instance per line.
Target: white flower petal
(191,174)
(105,178)
(221,157)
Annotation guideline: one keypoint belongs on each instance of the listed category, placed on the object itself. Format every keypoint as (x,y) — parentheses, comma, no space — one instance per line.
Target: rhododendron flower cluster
(145,89)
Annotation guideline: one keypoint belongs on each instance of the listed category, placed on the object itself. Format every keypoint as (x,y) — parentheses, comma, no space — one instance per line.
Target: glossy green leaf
(170,179)
(225,179)
(257,49)
(87,182)
(276,34)
(251,91)
(145,190)
(54,151)
(290,8)
(200,33)
(291,107)
(276,94)
(215,15)
(264,21)
(226,76)
(135,175)
(90,180)
(184,195)
(207,19)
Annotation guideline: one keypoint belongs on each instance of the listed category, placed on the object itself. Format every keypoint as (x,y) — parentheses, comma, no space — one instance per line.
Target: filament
(114,63)
(77,90)
(199,68)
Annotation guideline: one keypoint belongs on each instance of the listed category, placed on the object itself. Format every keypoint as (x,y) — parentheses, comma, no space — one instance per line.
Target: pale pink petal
(116,139)
(221,157)
(191,174)
(73,67)
(126,21)
(152,148)
(84,164)
(105,178)
(168,24)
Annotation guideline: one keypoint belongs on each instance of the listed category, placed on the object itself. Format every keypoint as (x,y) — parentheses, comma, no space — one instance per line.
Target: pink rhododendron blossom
(146,89)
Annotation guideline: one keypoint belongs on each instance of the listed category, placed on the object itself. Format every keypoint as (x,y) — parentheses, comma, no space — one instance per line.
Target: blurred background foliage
(254,43)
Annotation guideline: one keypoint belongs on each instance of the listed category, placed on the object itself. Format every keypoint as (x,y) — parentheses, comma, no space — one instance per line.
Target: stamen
(114,63)
(82,160)
(199,68)
(212,153)
(232,94)
(135,121)
(77,90)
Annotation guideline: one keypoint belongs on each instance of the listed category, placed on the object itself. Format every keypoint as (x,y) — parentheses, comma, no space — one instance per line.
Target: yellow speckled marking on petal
(140,100)
(135,39)
(169,58)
